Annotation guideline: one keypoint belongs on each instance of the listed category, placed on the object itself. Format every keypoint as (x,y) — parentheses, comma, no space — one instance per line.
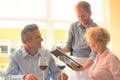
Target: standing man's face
(83,16)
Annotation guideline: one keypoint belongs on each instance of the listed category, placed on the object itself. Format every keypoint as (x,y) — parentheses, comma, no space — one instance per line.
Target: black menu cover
(58,52)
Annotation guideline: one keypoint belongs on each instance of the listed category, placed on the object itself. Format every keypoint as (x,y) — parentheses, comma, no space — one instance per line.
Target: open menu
(58,52)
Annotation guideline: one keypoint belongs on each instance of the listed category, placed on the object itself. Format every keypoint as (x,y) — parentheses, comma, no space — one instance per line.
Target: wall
(115,25)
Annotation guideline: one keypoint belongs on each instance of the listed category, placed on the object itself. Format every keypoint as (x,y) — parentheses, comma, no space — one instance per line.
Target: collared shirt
(77,41)
(21,63)
(106,67)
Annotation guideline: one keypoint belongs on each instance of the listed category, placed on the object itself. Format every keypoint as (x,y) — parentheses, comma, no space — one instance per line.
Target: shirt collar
(91,22)
(103,54)
(25,53)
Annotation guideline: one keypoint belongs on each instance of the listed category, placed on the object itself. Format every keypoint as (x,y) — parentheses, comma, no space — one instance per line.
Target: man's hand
(65,49)
(62,76)
(58,47)
(30,77)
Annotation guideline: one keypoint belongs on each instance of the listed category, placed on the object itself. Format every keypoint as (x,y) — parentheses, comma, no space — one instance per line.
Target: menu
(58,52)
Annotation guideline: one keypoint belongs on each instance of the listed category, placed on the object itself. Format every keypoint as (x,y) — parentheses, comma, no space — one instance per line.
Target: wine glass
(43,64)
(61,64)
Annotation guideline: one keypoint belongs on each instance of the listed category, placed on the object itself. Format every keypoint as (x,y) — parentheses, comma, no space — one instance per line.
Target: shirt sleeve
(14,77)
(114,67)
(70,37)
(92,55)
(12,72)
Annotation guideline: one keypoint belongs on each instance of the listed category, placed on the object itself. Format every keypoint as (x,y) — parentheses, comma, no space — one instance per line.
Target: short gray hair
(27,31)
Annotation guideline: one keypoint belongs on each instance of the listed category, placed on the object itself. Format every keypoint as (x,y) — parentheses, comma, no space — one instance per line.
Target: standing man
(24,63)
(77,42)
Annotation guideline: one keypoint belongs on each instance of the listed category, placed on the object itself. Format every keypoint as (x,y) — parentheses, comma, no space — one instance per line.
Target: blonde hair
(99,36)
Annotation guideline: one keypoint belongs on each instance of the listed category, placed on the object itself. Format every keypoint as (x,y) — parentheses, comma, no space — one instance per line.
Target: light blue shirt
(21,63)
(77,41)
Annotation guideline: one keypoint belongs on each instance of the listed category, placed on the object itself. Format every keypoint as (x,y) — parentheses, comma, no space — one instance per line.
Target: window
(4,49)
(4,46)
(23,9)
(52,17)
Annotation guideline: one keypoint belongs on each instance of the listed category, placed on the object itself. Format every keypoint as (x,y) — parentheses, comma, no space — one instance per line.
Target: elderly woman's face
(91,44)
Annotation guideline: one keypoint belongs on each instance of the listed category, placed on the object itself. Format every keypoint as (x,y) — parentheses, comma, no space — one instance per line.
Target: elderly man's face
(36,39)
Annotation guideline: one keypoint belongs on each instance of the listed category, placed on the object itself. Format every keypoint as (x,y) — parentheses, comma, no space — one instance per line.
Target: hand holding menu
(58,52)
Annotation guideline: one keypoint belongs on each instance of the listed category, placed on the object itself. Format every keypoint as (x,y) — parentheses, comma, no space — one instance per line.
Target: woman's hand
(75,67)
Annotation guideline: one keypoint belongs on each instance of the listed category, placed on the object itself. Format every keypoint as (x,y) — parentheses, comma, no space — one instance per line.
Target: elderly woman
(106,65)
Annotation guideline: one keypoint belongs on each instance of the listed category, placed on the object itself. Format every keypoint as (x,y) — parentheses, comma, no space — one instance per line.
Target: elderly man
(24,63)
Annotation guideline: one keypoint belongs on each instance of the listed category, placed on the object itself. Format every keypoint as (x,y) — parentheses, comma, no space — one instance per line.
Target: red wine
(43,67)
(61,67)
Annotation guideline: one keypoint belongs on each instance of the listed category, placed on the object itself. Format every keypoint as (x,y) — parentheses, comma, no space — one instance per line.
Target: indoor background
(54,18)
